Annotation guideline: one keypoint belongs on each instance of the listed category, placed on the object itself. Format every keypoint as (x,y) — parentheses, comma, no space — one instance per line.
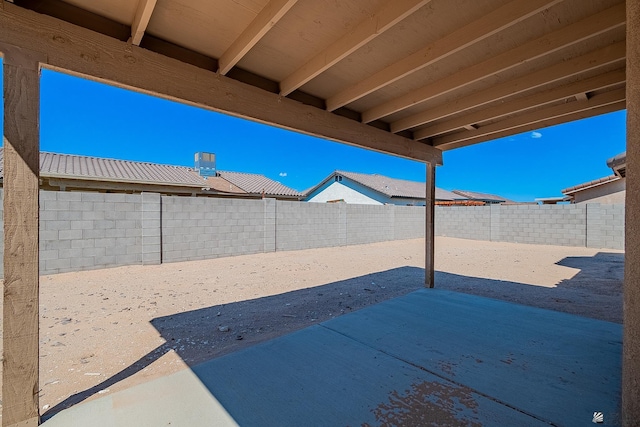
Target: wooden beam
(491,23)
(263,22)
(528,102)
(141,20)
(579,115)
(532,120)
(389,15)
(104,59)
(566,36)
(21,281)
(631,306)
(429,229)
(557,72)
(582,97)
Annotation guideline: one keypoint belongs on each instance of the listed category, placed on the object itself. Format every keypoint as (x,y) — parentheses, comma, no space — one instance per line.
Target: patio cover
(407,77)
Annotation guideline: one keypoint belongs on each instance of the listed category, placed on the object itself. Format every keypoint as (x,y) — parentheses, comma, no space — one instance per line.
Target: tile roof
(390,187)
(218,183)
(54,165)
(473,195)
(590,184)
(256,184)
(100,169)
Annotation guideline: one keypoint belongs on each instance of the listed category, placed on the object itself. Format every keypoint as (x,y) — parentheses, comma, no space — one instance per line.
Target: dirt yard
(106,330)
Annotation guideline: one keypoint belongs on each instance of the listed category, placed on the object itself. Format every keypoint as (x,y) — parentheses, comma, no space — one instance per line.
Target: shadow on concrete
(595,291)
(203,334)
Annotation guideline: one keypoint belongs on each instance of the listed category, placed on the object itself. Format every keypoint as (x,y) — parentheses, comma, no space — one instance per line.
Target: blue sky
(89,118)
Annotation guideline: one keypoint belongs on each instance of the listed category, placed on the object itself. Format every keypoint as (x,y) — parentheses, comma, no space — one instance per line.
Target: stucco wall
(609,193)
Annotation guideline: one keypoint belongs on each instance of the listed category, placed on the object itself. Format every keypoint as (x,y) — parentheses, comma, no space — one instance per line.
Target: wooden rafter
(493,22)
(559,71)
(103,58)
(537,99)
(389,15)
(516,123)
(566,36)
(263,22)
(141,20)
(576,115)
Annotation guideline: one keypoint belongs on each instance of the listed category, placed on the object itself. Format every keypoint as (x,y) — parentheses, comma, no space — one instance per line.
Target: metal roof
(258,184)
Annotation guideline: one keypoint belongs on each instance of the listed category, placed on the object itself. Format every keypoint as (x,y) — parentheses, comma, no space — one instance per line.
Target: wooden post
(429,231)
(631,311)
(21,174)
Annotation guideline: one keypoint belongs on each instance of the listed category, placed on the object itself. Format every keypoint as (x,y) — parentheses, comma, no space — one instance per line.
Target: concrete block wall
(409,222)
(612,227)
(151,231)
(370,223)
(310,225)
(80,231)
(590,225)
(563,225)
(200,228)
(465,222)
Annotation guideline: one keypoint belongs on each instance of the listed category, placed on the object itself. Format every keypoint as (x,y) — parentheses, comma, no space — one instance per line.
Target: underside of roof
(407,77)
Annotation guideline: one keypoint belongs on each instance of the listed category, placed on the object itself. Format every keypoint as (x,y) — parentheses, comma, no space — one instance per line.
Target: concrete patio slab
(432,357)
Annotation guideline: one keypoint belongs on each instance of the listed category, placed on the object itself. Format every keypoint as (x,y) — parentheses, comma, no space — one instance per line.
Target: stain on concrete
(428,404)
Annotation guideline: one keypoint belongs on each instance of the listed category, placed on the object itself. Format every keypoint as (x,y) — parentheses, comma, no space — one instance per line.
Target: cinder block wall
(591,225)
(200,228)
(409,222)
(309,225)
(465,222)
(370,223)
(563,225)
(80,231)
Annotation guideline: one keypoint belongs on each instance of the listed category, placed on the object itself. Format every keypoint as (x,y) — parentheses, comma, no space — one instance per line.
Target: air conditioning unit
(205,164)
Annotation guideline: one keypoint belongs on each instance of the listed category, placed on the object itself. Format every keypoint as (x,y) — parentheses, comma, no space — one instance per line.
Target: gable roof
(390,187)
(70,166)
(473,195)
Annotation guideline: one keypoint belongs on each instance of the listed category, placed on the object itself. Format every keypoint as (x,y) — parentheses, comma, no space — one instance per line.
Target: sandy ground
(106,330)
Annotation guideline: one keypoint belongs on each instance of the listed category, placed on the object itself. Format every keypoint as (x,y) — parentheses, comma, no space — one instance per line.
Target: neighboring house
(366,189)
(64,172)
(484,198)
(609,190)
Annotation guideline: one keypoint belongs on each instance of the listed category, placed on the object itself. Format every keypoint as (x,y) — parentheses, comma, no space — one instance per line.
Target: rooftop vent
(206,164)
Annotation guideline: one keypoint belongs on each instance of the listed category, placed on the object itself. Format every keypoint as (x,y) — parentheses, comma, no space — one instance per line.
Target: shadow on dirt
(200,335)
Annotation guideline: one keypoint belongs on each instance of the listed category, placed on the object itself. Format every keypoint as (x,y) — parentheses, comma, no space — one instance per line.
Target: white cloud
(536,135)
(283,174)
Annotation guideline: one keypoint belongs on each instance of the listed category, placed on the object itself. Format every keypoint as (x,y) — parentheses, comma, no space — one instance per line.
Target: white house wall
(339,191)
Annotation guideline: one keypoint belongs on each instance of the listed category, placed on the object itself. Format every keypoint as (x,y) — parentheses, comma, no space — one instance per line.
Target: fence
(80,231)
(590,225)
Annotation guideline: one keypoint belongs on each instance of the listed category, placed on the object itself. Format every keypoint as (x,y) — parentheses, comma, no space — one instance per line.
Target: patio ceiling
(409,77)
